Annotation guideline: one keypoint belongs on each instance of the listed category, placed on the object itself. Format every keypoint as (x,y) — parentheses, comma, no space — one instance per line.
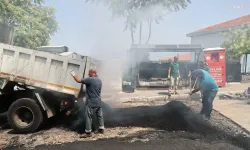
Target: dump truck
(36,85)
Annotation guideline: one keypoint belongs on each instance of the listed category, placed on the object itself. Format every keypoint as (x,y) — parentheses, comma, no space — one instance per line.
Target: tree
(237,42)
(34,24)
(138,11)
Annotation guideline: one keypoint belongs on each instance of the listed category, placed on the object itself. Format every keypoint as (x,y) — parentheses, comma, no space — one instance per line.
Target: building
(212,37)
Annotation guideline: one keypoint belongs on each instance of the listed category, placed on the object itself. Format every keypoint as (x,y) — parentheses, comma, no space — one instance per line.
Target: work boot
(101,131)
(87,135)
(205,117)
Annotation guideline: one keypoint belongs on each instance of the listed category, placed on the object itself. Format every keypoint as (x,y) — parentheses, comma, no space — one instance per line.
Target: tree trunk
(140,32)
(149,32)
(132,34)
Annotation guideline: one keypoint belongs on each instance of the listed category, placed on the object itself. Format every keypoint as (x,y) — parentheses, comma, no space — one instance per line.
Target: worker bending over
(174,74)
(93,100)
(209,89)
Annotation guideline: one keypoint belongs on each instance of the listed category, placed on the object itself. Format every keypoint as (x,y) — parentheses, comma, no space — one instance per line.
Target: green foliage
(143,10)
(237,42)
(34,24)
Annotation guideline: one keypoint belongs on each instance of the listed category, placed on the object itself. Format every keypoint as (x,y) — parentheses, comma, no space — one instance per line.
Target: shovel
(192,89)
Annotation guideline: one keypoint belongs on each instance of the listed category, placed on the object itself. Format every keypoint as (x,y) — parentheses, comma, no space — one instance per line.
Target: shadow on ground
(164,93)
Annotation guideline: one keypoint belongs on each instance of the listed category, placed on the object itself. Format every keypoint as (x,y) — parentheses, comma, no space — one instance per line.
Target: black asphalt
(174,116)
(175,144)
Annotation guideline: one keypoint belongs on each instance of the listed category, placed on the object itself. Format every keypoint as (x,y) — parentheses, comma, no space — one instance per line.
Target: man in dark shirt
(93,100)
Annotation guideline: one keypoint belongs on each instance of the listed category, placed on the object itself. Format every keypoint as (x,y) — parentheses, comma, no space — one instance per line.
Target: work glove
(68,113)
(72,73)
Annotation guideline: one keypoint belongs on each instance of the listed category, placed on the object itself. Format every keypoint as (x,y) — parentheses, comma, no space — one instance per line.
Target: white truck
(36,85)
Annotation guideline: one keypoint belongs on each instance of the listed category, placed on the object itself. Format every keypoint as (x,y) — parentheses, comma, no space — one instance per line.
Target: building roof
(225,25)
(214,49)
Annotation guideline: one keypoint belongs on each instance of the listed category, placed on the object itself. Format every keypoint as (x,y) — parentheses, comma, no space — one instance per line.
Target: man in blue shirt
(209,89)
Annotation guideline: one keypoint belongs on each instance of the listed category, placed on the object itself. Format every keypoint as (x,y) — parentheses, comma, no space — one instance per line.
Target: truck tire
(24,115)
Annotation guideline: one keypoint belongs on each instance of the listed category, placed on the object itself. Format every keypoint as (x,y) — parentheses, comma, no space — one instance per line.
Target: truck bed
(42,69)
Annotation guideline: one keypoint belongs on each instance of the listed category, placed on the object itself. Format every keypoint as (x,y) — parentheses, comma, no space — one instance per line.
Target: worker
(204,65)
(174,74)
(93,101)
(209,89)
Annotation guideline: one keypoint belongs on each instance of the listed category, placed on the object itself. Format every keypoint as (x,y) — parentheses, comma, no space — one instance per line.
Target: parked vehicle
(141,72)
(36,85)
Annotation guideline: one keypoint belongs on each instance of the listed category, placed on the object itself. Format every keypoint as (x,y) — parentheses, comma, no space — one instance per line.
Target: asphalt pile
(237,96)
(174,116)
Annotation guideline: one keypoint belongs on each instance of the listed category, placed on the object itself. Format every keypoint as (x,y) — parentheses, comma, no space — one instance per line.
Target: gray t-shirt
(93,91)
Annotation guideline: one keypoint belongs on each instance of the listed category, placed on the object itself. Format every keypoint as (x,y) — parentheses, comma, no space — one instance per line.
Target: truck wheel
(24,115)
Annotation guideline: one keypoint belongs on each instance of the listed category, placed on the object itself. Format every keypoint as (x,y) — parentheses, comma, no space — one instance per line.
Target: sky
(89,29)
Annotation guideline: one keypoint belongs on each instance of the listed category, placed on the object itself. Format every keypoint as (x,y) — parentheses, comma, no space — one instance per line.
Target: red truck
(216,60)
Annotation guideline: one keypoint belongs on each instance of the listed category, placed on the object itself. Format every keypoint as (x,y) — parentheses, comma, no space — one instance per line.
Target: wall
(208,40)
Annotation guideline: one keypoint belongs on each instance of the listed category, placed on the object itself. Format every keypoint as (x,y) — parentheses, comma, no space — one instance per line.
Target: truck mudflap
(44,106)
(64,105)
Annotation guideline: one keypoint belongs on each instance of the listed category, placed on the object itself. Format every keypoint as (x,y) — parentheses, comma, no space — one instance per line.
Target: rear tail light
(63,103)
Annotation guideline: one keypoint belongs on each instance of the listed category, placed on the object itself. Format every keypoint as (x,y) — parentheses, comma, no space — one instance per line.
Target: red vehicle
(216,60)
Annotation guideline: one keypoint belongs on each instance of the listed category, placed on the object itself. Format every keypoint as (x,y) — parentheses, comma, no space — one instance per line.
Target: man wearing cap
(209,89)
(174,74)
(93,100)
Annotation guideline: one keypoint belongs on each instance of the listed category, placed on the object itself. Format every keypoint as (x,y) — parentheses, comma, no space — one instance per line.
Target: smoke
(110,72)
(172,117)
(113,55)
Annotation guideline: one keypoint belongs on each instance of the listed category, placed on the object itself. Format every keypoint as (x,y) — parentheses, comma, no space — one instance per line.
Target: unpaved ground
(146,123)
(165,141)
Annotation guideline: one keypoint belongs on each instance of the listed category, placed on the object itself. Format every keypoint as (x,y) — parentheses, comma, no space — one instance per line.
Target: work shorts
(174,82)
